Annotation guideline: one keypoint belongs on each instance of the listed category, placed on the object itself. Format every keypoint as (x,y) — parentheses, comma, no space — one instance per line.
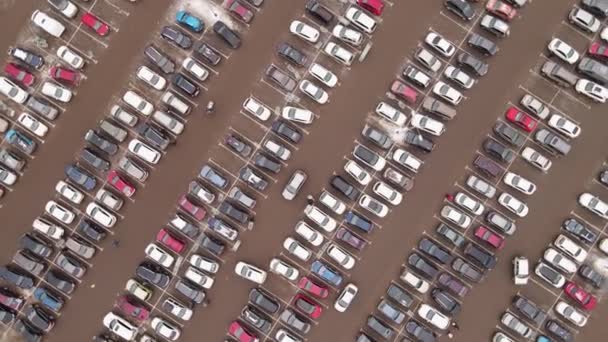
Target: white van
(108,199)
(168,122)
(138,102)
(176,103)
(48,24)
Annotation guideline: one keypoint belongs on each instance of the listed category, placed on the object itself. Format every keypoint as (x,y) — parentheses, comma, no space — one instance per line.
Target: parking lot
(325,146)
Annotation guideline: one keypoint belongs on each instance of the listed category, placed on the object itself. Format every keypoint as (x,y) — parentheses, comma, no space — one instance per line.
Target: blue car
(189,21)
(326,273)
(80,177)
(48,300)
(359,221)
(20,141)
(542,338)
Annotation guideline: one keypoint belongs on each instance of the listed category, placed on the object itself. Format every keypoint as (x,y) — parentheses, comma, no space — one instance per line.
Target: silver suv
(132,169)
(242,198)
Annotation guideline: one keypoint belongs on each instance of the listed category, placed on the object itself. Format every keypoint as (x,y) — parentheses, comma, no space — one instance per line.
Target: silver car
(293,186)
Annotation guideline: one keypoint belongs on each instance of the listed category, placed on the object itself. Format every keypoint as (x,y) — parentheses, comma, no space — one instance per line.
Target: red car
(375,7)
(90,20)
(237,330)
(170,241)
(521,119)
(501,9)
(18,74)
(238,9)
(489,237)
(307,306)
(197,212)
(120,184)
(579,295)
(598,50)
(404,91)
(64,75)
(131,309)
(311,287)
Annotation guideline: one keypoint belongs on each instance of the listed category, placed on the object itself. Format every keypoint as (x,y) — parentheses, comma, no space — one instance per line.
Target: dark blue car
(48,300)
(80,177)
(359,221)
(326,273)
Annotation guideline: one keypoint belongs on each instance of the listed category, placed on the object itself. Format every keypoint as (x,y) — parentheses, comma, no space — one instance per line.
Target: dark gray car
(228,35)
(247,175)
(467,270)
(154,136)
(29,262)
(295,321)
(594,69)
(552,140)
(438,108)
(286,131)
(281,78)
(445,302)
(42,107)
(213,245)
(263,301)
(579,230)
(435,251)
(479,67)
(176,36)
(559,74)
(153,273)
(15,276)
(101,143)
(461,8)
(207,52)
(509,134)
(233,212)
(425,268)
(498,151)
(420,332)
(90,157)
(479,256)
(450,235)
(291,54)
(11,160)
(377,137)
(39,318)
(266,163)
(343,186)
(400,296)
(529,309)
(35,245)
(159,59)
(484,45)
(380,328)
(60,282)
(252,316)
(419,141)
(453,284)
(190,291)
(390,311)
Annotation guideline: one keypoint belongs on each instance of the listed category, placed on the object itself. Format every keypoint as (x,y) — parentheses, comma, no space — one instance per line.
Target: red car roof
(374,6)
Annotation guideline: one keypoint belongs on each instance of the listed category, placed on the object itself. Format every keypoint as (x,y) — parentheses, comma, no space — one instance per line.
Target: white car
(323,74)
(357,172)
(7,177)
(309,234)
(284,269)
(67,8)
(360,19)
(32,124)
(138,290)
(415,281)
(314,92)
(536,159)
(151,78)
(521,270)
(535,106)
(257,109)
(69,192)
(564,126)
(12,91)
(277,149)
(447,93)
(250,272)
(203,263)
(165,329)
(426,58)
(198,277)
(320,218)
(571,248)
(144,151)
(346,297)
(519,183)
(297,249)
(339,53)
(603,245)
(340,256)
(298,115)
(304,31)
(461,78)
(514,205)
(387,192)
(373,205)
(563,51)
(440,44)
(391,114)
(348,35)
(584,20)
(56,92)
(123,116)
(407,159)
(594,204)
(427,124)
(177,309)
(195,69)
(159,255)
(48,228)
(70,56)
(433,316)
(59,212)
(456,216)
(332,202)
(571,314)
(470,204)
(100,215)
(604,34)
(48,24)
(593,90)
(558,260)
(120,326)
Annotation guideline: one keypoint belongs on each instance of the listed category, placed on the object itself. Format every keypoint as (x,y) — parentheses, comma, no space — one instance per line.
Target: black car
(420,141)
(154,136)
(529,309)
(480,68)
(228,35)
(90,157)
(176,36)
(101,143)
(295,321)
(60,282)
(213,245)
(280,78)
(450,235)
(597,7)
(377,137)
(453,284)
(421,265)
(484,45)
(291,54)
(80,177)
(367,156)
(39,318)
(498,151)
(380,328)
(233,212)
(344,187)
(576,228)
(266,163)
(91,230)
(159,59)
(466,270)
(29,262)
(420,332)
(445,302)
(461,8)
(29,333)
(238,145)
(400,296)
(16,277)
(153,273)
(358,221)
(593,69)
(190,291)
(286,131)
(591,276)
(6,316)
(247,175)
(31,59)
(558,330)
(435,251)
(185,85)
(35,245)
(42,107)
(319,12)
(263,301)
(207,53)
(480,256)
(509,134)
(254,317)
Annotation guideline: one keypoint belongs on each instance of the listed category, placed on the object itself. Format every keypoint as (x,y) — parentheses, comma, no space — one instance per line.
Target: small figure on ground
(449,197)
(455,325)
(310,200)
(210,107)
(115,243)
(450,335)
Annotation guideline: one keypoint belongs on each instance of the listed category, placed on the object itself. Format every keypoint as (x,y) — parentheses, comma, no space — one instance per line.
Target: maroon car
(489,237)
(598,50)
(64,75)
(350,238)
(132,309)
(404,92)
(239,10)
(197,212)
(18,74)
